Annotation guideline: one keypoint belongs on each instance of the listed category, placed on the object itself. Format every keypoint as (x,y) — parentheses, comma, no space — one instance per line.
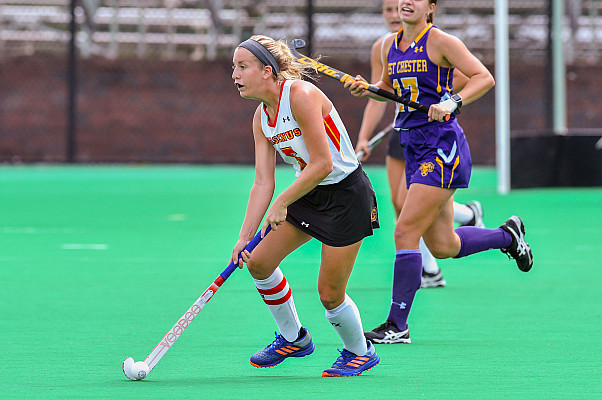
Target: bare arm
(375,110)
(309,106)
(449,51)
(460,81)
(263,186)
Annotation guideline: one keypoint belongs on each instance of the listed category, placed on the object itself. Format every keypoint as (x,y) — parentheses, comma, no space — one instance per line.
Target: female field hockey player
(419,63)
(464,214)
(331,200)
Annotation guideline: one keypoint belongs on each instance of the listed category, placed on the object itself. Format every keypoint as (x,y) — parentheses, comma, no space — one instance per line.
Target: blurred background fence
(149,80)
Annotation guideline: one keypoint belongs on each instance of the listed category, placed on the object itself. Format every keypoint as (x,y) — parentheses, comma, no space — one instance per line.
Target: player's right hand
(439,111)
(362,146)
(239,254)
(357,86)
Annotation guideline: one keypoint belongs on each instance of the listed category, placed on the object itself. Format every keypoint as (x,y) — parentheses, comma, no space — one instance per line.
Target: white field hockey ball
(139,370)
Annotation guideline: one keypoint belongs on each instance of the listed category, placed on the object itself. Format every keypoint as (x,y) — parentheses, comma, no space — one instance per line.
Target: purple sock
(474,240)
(406,281)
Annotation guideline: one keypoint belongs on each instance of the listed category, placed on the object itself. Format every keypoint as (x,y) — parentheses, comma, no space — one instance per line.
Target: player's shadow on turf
(249,380)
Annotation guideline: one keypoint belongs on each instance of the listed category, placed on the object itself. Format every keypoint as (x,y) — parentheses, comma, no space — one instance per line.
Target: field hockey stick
(376,139)
(341,76)
(184,322)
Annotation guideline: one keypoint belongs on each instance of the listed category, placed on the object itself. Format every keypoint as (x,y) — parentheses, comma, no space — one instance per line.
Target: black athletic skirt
(339,214)
(394,149)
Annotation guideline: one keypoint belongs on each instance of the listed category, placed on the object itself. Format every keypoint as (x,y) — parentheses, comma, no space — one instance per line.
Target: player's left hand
(275,216)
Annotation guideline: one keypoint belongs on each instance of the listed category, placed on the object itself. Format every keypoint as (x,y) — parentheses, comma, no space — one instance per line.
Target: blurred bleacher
(207,29)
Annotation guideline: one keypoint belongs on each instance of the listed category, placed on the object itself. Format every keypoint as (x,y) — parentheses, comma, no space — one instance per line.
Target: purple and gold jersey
(416,77)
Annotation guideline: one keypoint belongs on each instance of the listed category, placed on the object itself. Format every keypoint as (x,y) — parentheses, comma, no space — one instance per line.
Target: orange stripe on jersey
(332,132)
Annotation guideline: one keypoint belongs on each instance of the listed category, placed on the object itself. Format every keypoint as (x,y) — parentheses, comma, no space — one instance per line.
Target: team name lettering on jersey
(414,75)
(283,137)
(286,137)
(406,66)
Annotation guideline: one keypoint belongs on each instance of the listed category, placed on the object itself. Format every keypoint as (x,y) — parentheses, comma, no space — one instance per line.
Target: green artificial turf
(98,262)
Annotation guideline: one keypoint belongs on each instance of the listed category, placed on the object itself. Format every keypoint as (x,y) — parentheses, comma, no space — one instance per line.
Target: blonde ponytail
(289,67)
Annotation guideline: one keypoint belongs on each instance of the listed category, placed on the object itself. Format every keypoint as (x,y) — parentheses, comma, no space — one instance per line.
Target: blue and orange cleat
(280,349)
(350,364)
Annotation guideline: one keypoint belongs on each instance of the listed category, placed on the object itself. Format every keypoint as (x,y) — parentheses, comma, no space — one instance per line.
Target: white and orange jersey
(287,138)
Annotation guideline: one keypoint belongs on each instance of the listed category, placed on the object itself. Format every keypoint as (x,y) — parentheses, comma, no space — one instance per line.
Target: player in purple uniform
(419,62)
(464,214)
(331,200)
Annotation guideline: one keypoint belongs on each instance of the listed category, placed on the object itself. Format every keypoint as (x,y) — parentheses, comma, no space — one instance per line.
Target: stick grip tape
(392,96)
(249,247)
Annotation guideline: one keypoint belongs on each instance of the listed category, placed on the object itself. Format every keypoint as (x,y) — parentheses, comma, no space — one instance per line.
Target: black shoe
(518,249)
(388,333)
(432,280)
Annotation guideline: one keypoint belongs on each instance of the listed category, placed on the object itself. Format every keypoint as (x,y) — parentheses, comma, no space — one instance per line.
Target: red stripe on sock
(274,290)
(281,300)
